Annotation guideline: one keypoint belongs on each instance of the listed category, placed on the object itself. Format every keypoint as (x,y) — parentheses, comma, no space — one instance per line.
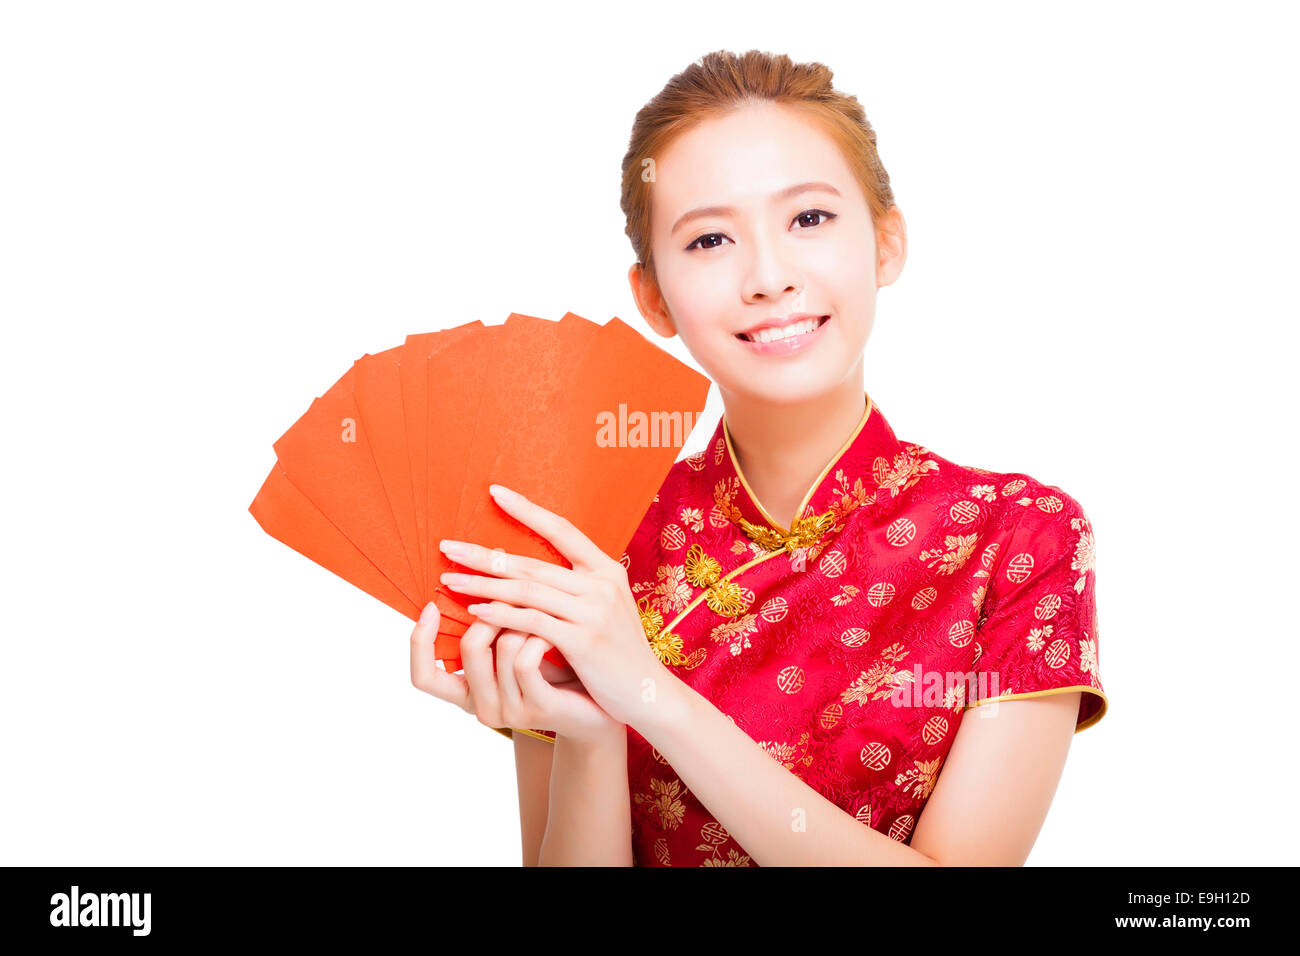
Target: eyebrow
(786,193)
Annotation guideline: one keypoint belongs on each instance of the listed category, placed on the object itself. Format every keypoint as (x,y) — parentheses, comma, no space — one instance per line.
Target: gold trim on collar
(807,530)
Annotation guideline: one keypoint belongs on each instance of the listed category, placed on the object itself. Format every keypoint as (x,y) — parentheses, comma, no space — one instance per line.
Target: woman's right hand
(514,692)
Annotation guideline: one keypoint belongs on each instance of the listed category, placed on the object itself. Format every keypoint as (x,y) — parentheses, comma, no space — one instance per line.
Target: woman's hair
(721,82)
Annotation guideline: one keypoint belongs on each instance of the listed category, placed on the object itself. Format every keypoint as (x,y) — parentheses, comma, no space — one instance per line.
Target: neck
(782,449)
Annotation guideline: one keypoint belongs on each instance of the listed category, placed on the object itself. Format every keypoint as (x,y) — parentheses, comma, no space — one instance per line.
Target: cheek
(851,267)
(703,344)
(851,281)
(704,335)
(701,309)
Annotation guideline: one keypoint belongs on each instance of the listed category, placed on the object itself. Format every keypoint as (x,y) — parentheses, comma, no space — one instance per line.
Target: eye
(703,242)
(815,212)
(707,235)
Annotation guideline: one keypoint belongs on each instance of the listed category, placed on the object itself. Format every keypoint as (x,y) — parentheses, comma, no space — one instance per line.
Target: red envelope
(399,453)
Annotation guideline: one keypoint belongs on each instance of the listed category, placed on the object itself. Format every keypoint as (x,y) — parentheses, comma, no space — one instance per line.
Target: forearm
(589,813)
(777,818)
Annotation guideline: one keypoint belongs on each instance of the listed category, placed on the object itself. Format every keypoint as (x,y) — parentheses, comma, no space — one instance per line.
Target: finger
(476,655)
(530,620)
(568,607)
(558,530)
(425,672)
(498,562)
(528,674)
(551,673)
(507,646)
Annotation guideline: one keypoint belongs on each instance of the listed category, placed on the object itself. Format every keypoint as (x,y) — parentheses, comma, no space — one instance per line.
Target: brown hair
(720,82)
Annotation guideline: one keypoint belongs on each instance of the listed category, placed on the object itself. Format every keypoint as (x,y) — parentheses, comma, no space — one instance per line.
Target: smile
(785,339)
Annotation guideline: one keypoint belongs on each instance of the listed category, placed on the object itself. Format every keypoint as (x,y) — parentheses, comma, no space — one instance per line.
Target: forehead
(743,157)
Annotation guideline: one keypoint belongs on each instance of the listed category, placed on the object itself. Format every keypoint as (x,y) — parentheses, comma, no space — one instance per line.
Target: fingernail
(501,493)
(430,613)
(453,548)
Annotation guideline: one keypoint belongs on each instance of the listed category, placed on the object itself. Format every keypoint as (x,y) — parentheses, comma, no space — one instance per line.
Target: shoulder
(1023,526)
(1012,501)
(1036,530)
(1045,513)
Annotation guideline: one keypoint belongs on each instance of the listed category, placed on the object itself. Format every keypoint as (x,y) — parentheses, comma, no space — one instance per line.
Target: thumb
(429,615)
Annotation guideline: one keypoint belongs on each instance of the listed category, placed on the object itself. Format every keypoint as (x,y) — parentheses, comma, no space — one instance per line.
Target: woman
(799,634)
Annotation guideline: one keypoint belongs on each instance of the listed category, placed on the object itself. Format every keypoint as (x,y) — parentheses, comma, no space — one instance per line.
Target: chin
(800,387)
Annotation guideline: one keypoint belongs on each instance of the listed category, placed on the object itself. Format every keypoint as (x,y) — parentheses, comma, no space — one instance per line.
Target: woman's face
(739,239)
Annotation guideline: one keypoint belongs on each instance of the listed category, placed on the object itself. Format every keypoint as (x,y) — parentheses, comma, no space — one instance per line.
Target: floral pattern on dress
(935,589)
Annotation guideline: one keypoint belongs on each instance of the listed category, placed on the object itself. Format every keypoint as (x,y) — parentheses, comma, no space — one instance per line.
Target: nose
(789,293)
(771,278)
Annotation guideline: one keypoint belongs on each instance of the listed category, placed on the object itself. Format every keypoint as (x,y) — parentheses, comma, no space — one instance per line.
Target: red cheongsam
(910,590)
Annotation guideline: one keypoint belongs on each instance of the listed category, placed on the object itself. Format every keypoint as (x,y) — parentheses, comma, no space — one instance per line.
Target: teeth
(785,331)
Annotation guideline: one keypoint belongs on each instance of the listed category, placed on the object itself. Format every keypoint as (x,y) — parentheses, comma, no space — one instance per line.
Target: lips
(776,323)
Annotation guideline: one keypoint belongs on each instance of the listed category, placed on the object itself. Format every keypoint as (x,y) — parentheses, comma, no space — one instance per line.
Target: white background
(210,209)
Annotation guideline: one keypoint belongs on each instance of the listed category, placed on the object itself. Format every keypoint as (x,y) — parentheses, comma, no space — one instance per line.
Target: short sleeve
(1037,631)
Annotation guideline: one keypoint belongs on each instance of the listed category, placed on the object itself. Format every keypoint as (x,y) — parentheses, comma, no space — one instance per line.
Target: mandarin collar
(870,462)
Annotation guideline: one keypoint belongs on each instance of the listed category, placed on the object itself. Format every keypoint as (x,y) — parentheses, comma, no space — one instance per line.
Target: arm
(759,801)
(589,821)
(998,781)
(533,776)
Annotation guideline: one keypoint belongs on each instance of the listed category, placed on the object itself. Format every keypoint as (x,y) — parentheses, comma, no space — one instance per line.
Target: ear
(891,246)
(650,301)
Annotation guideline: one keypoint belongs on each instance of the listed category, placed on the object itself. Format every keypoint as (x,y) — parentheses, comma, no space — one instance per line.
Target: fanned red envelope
(399,453)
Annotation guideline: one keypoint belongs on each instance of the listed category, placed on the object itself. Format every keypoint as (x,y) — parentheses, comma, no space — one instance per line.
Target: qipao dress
(850,647)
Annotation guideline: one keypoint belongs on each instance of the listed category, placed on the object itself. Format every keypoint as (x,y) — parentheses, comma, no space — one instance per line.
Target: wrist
(663,705)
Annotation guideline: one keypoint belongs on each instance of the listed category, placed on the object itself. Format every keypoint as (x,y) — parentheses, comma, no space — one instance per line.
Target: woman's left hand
(587,612)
